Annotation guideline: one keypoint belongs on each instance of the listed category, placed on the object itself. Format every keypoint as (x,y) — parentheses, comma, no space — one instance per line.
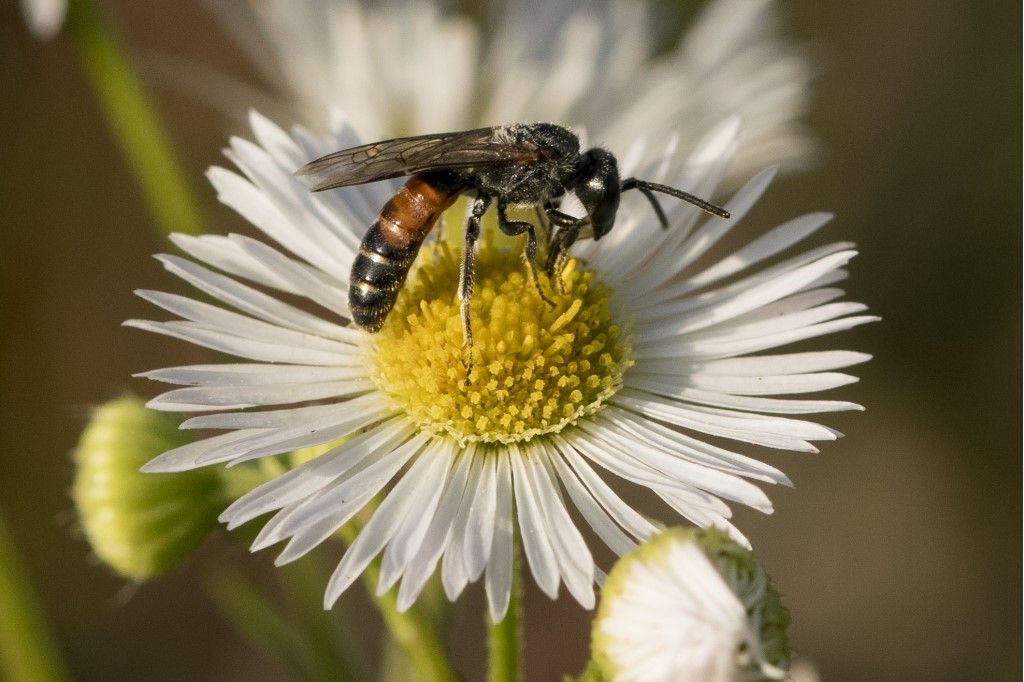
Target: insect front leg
(516,227)
(480,205)
(569,229)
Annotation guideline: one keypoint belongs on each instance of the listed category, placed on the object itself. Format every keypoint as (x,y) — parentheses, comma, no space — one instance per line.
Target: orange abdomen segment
(392,242)
(409,216)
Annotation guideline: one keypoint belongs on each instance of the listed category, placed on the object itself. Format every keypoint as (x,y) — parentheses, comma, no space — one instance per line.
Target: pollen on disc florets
(537,367)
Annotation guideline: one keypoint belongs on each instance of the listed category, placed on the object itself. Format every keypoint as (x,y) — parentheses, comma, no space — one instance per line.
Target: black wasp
(521,165)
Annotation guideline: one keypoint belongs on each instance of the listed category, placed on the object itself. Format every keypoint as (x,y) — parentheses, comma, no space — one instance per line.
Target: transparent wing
(411,155)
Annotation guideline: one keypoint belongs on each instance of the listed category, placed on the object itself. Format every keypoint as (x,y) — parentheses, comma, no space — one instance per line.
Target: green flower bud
(690,604)
(140,524)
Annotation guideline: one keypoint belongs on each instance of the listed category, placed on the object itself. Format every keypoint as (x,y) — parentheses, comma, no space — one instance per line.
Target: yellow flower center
(536,367)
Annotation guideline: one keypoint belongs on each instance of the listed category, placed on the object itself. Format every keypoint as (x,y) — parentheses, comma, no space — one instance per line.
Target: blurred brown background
(899,549)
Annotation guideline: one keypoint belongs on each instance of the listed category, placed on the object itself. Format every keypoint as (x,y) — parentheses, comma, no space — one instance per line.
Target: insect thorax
(535,182)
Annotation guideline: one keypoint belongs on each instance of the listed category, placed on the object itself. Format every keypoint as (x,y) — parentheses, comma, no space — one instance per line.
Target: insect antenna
(648,189)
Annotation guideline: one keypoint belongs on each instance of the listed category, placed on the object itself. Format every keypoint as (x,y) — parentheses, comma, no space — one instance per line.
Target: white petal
(251,374)
(311,477)
(792,363)
(330,293)
(624,515)
(498,580)
(700,476)
(185,457)
(320,515)
(785,384)
(589,508)
(575,562)
(479,535)
(289,212)
(691,449)
(254,302)
(717,348)
(44,17)
(714,229)
(436,540)
(386,521)
(219,397)
(426,498)
(225,255)
(214,318)
(289,416)
(625,467)
(767,245)
(239,346)
(751,299)
(672,297)
(454,575)
(739,402)
(536,543)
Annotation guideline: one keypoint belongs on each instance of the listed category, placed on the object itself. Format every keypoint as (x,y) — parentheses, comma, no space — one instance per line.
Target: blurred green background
(899,549)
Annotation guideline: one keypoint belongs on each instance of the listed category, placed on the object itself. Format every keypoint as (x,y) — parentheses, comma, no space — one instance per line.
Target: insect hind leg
(514,228)
(480,205)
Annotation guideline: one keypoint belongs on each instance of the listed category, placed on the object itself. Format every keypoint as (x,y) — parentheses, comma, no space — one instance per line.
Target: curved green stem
(27,650)
(505,639)
(134,122)
(413,630)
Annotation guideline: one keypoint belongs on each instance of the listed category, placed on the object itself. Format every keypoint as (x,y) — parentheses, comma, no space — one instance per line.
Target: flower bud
(690,604)
(140,524)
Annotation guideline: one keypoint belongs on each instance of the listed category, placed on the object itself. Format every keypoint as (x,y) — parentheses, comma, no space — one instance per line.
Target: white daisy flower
(649,348)
(410,67)
(44,17)
(689,606)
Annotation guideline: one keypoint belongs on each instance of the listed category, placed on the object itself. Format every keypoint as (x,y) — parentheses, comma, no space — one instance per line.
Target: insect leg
(517,227)
(480,205)
(568,232)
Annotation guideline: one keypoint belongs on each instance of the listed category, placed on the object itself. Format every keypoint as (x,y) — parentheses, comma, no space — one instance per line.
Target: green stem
(134,122)
(505,639)
(303,583)
(413,630)
(27,650)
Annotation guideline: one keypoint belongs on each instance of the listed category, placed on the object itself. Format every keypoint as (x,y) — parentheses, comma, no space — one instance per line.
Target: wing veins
(411,155)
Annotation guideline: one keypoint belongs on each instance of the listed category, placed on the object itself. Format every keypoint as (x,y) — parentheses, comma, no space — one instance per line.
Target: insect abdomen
(392,242)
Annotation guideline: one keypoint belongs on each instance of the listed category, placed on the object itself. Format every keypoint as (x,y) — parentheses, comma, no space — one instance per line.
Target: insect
(517,165)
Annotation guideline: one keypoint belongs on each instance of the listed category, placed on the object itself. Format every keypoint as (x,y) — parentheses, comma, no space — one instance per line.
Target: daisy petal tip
(179,238)
(257,120)
(383,586)
(162,403)
(162,465)
(498,611)
(263,541)
(286,557)
(335,588)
